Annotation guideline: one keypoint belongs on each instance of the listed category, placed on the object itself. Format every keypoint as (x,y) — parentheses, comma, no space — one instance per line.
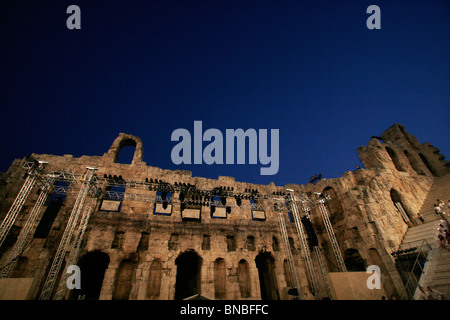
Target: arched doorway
(124,280)
(92,266)
(154,279)
(188,275)
(243,275)
(267,278)
(353,260)
(399,204)
(220,279)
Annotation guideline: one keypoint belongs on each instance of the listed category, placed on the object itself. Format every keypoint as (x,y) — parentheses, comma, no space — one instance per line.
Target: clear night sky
(311,69)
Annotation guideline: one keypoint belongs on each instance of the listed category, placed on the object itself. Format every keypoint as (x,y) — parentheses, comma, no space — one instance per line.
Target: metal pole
(290,258)
(304,245)
(24,236)
(17,205)
(330,231)
(65,240)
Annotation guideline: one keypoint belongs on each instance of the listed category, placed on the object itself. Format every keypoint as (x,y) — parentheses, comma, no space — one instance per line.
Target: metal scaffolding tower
(25,234)
(305,205)
(330,231)
(52,276)
(290,258)
(62,291)
(34,168)
(316,250)
(304,245)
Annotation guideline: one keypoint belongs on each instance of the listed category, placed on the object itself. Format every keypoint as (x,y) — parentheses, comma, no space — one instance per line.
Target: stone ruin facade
(156,234)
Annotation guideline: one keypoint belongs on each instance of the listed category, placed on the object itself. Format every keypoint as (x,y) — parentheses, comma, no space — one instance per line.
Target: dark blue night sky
(311,69)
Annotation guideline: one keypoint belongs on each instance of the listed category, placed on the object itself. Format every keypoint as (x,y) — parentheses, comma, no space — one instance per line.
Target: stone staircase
(439,190)
(437,268)
(415,235)
(439,278)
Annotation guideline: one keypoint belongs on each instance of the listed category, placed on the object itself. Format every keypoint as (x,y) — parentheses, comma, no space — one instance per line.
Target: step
(416,237)
(432,234)
(424,228)
(426,225)
(440,282)
(444,261)
(418,243)
(432,217)
(440,189)
(445,290)
(441,277)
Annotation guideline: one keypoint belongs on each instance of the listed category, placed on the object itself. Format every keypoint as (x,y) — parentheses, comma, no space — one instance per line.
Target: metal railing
(409,252)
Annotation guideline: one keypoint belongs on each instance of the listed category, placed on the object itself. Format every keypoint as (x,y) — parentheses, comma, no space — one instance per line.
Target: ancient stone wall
(143,252)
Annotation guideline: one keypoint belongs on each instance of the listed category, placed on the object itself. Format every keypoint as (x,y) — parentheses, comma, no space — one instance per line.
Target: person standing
(419,216)
(434,294)
(437,209)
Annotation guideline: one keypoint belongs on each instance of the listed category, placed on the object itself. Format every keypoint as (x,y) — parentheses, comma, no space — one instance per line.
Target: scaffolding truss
(288,251)
(76,246)
(334,244)
(304,246)
(86,188)
(34,168)
(25,234)
(318,255)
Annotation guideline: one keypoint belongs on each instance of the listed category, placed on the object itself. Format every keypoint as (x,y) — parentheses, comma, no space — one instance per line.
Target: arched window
(394,157)
(243,275)
(125,152)
(126,148)
(154,280)
(428,165)
(413,163)
(397,200)
(220,279)
(124,280)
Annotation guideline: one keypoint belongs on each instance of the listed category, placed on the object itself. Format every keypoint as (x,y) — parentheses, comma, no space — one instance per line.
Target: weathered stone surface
(141,248)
